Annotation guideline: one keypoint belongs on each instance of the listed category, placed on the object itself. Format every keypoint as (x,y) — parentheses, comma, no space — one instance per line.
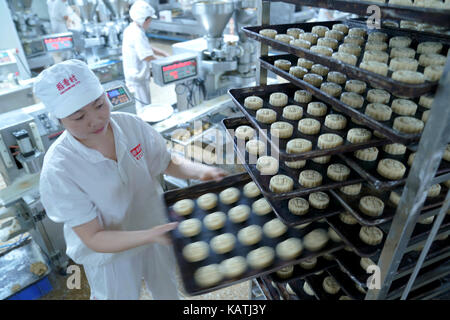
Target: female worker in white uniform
(99,178)
(137,53)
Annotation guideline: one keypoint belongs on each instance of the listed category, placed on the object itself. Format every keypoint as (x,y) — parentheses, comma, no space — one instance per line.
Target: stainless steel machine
(223,62)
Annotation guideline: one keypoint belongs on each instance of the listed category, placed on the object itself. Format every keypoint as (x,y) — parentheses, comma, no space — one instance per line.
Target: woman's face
(146,23)
(91,121)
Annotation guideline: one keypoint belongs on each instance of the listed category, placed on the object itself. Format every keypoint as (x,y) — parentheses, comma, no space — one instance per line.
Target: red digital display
(179,70)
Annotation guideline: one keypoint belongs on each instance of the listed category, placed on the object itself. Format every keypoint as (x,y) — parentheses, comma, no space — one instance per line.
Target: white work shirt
(135,48)
(78,184)
(57,9)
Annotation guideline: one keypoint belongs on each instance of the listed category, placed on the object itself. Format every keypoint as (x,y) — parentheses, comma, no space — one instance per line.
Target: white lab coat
(57,9)
(135,48)
(79,184)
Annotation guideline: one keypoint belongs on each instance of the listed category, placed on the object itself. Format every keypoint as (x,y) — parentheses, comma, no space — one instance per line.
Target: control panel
(58,43)
(174,69)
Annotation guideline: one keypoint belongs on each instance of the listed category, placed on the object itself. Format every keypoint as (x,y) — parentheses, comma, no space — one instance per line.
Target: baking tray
(263,181)
(347,285)
(187,269)
(350,235)
(300,273)
(379,182)
(376,80)
(297,287)
(315,282)
(350,262)
(279,146)
(268,289)
(385,127)
(15,267)
(279,202)
(388,11)
(421,232)
(351,204)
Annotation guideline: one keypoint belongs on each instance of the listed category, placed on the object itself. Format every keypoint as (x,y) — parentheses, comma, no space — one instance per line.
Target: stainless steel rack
(430,149)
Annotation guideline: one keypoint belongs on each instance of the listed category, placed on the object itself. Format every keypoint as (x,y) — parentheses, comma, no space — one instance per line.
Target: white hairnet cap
(66,87)
(141,10)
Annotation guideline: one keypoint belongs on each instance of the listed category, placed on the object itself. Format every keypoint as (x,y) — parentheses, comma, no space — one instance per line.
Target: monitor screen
(117,96)
(179,70)
(58,43)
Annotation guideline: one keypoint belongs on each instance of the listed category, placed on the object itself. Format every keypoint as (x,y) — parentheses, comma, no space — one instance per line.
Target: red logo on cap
(137,152)
(67,84)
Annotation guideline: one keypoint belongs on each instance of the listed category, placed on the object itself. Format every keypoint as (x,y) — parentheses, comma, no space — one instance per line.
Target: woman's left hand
(212,173)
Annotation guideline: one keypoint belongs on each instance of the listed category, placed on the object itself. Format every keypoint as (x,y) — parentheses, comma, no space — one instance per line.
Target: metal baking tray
(297,287)
(376,80)
(385,127)
(300,273)
(268,289)
(187,269)
(350,235)
(346,283)
(279,146)
(315,282)
(15,266)
(370,174)
(279,202)
(191,126)
(421,232)
(350,262)
(263,181)
(388,11)
(351,204)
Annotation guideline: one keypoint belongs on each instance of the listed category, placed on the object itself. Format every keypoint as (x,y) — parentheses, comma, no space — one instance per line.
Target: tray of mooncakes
(302,269)
(388,167)
(289,206)
(324,287)
(399,119)
(282,113)
(373,207)
(356,267)
(406,63)
(228,233)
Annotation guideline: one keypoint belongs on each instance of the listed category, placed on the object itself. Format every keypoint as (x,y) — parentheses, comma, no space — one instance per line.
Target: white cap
(66,87)
(140,11)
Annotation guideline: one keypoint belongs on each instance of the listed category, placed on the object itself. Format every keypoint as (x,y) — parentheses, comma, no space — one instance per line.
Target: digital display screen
(58,43)
(117,96)
(4,57)
(179,70)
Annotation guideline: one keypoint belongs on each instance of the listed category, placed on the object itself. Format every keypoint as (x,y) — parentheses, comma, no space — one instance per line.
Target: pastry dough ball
(278,99)
(365,263)
(430,59)
(316,240)
(340,27)
(350,48)
(356,86)
(331,88)
(320,69)
(402,53)
(371,206)
(251,190)
(274,228)
(307,289)
(313,79)
(434,191)
(208,276)
(358,135)
(326,51)
(250,235)
(408,124)
(207,201)
(223,243)
(429,47)
(338,172)
(229,196)
(371,235)
(426,101)
(261,207)
(281,183)
(335,121)
(265,115)
(330,285)
(267,165)
(378,96)
(320,30)
(329,141)
(285,272)
(289,249)
(391,169)
(345,57)
(317,109)
(354,39)
(233,267)
(297,71)
(239,213)
(308,264)
(347,218)
(368,154)
(309,126)
(310,178)
(433,73)
(309,36)
(295,32)
(215,220)
(351,190)
(400,42)
(360,32)
(378,111)
(190,227)
(407,76)
(375,66)
(319,200)
(196,251)
(293,112)
(305,63)
(333,235)
(395,149)
(271,33)
(184,207)
(281,129)
(404,107)
(282,64)
(337,77)
(375,55)
(377,36)
(352,99)
(302,96)
(284,38)
(253,103)
(298,206)
(244,132)
(394,198)
(376,46)
(403,64)
(261,258)
(328,42)
(255,147)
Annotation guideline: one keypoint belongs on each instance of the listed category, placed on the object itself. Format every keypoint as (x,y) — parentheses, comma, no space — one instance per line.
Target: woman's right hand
(159,234)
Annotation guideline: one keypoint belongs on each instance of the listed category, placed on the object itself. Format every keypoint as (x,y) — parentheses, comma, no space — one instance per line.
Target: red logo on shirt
(137,152)
(66,84)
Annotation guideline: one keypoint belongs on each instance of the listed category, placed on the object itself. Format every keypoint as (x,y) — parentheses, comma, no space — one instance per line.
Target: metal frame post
(428,157)
(263,49)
